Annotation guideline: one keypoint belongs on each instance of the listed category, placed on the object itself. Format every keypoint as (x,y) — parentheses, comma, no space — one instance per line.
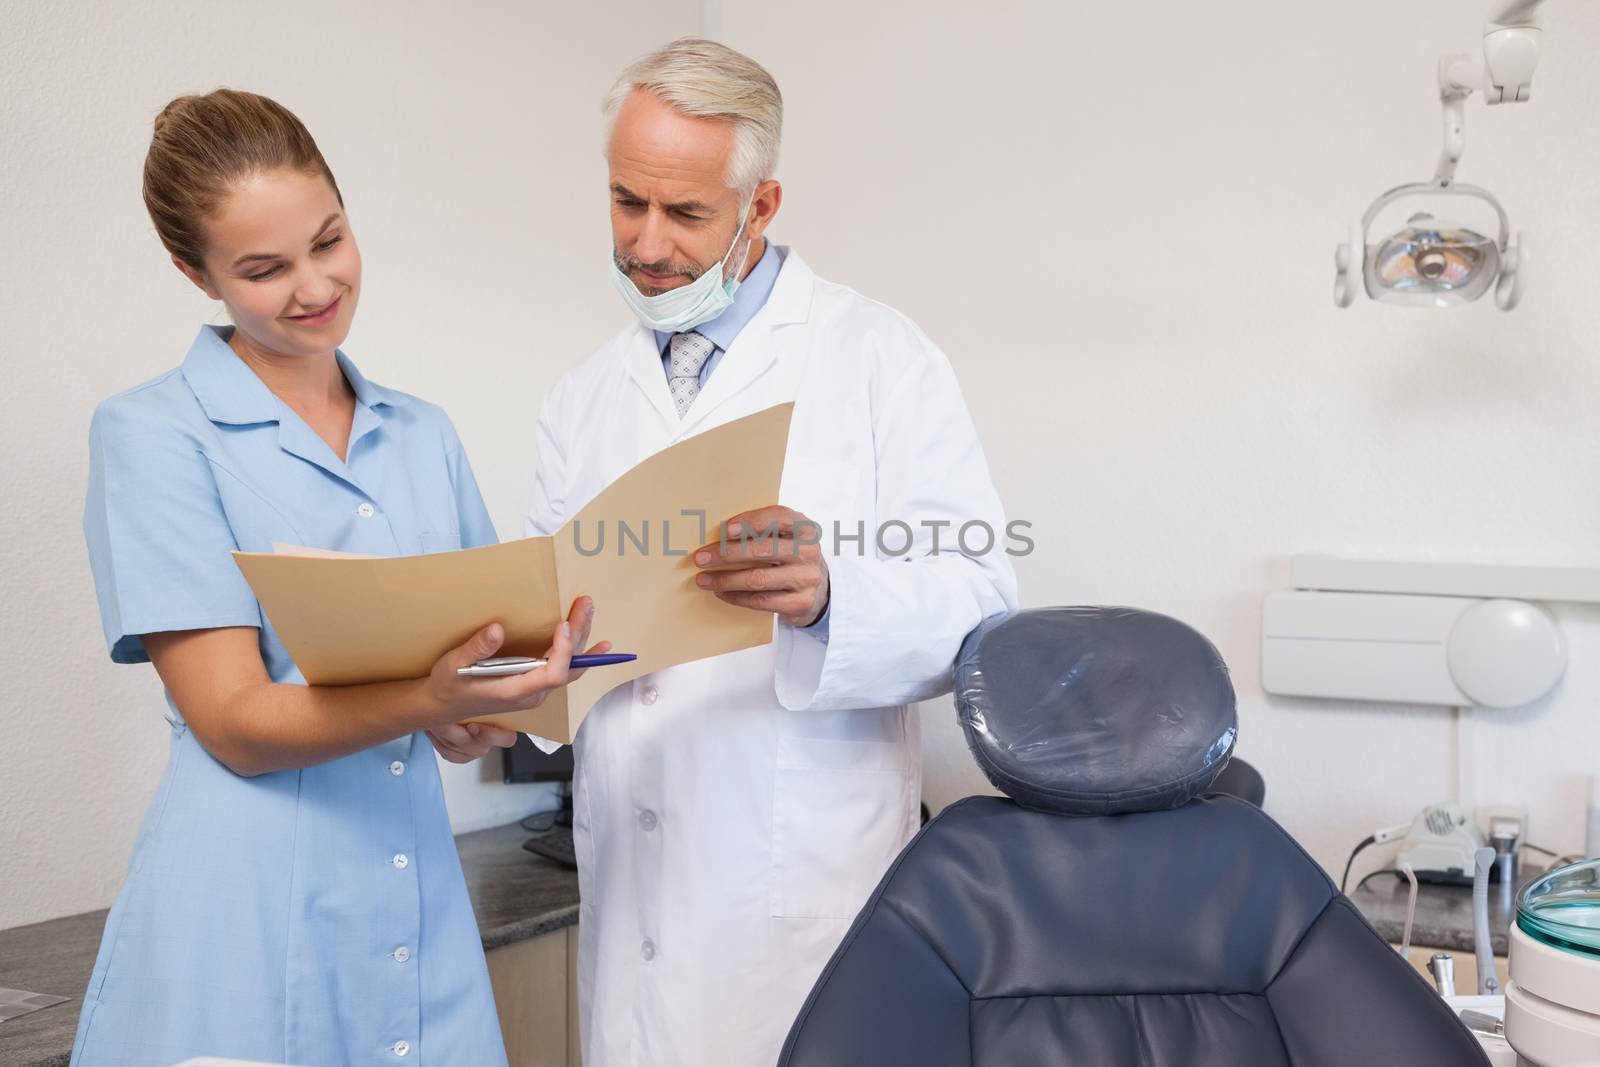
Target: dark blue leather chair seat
(1197,937)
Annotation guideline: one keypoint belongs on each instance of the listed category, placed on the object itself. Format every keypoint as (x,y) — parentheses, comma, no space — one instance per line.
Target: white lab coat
(732,815)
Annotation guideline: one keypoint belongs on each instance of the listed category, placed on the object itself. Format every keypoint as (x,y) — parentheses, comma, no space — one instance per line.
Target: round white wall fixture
(1506,653)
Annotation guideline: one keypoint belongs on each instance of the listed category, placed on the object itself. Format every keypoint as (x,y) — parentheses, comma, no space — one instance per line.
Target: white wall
(1119,221)
(466,141)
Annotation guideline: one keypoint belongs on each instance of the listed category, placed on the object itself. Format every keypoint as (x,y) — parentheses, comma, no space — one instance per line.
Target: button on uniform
(647,820)
(401,954)
(648,950)
(365,510)
(400,861)
(649,694)
(401,1047)
(397,768)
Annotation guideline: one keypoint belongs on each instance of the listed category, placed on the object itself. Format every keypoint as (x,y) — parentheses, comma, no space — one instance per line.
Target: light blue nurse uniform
(313,916)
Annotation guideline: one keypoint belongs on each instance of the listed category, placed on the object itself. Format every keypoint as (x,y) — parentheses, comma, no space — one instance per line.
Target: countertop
(1444,912)
(515,895)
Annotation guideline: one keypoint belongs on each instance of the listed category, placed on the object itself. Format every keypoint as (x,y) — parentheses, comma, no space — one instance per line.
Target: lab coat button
(397,768)
(647,819)
(366,511)
(402,1047)
(649,694)
(402,954)
(400,861)
(648,950)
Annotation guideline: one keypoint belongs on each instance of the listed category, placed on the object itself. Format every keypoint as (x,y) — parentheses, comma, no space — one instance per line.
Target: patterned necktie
(689,353)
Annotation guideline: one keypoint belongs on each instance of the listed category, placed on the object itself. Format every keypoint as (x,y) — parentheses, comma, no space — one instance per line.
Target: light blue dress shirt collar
(749,298)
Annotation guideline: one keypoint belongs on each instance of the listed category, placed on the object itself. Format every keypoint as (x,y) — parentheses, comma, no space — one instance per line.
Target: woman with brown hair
(294,894)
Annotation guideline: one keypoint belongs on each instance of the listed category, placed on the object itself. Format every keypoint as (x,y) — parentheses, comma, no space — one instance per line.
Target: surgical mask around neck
(687,306)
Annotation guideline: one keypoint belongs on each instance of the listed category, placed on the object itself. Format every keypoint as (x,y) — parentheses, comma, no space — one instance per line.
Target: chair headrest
(1093,711)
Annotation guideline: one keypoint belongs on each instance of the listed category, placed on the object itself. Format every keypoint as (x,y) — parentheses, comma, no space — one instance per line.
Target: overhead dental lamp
(1434,262)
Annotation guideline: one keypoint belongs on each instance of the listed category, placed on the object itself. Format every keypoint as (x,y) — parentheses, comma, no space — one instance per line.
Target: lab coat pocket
(840,814)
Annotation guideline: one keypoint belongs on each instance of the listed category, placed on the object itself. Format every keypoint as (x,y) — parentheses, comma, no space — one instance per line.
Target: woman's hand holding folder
(460,742)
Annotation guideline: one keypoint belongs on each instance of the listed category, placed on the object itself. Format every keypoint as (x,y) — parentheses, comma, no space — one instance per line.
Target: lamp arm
(1516,13)
(1458,75)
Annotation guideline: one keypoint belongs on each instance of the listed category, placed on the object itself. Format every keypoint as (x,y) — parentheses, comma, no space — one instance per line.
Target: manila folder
(348,620)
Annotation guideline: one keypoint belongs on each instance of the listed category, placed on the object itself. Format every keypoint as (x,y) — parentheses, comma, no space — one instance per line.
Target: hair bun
(216,139)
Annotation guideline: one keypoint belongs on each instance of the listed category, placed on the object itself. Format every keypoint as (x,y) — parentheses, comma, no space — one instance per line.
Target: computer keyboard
(554,844)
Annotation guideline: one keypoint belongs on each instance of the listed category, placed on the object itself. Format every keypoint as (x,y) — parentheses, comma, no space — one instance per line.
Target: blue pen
(502,665)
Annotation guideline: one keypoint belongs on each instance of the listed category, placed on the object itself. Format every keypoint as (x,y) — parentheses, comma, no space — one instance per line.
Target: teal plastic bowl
(1562,908)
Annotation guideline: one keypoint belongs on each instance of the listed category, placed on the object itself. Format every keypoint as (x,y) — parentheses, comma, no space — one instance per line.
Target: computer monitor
(525,763)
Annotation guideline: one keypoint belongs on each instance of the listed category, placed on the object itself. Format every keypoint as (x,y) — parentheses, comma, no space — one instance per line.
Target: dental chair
(1239,779)
(1111,913)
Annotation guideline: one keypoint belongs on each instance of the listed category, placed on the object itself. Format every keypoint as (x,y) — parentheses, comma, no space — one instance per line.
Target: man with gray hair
(732,815)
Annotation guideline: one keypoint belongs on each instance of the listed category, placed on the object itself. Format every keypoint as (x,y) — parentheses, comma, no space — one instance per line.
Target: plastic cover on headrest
(1094,711)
